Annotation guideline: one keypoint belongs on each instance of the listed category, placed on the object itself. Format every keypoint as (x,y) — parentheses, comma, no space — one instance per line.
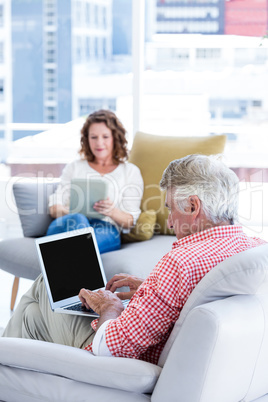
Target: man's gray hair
(207,177)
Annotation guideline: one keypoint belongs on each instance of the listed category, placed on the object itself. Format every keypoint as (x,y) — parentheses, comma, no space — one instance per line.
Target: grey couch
(18,256)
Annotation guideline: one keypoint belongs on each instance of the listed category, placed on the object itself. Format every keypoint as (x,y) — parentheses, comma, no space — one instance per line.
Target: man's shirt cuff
(99,346)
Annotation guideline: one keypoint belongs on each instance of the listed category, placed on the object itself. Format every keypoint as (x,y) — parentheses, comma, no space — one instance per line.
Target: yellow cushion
(152,154)
(144,228)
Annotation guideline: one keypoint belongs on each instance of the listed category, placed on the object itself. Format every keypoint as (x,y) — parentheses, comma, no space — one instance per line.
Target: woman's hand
(120,280)
(107,208)
(104,207)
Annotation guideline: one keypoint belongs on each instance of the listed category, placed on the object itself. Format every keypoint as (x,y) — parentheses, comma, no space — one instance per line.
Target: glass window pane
(69,58)
(206,73)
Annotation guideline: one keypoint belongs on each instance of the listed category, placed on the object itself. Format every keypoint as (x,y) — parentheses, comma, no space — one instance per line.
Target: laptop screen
(71,264)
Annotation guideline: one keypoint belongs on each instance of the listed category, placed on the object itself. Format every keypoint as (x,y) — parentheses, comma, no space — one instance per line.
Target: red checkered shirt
(143,328)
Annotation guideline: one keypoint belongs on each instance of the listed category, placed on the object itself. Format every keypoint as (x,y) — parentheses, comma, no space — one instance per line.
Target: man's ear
(195,205)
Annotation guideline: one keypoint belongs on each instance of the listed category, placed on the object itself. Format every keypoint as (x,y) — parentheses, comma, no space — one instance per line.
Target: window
(50,114)
(208,53)
(78,13)
(104,48)
(87,15)
(186,13)
(96,47)
(1,52)
(104,17)
(96,15)
(1,89)
(87,106)
(78,49)
(1,15)
(257,103)
(88,48)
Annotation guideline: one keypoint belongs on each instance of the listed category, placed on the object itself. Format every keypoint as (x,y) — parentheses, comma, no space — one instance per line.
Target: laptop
(69,262)
(84,193)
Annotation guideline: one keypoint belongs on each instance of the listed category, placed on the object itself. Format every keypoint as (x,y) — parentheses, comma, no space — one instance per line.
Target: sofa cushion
(125,374)
(245,273)
(32,202)
(144,228)
(152,154)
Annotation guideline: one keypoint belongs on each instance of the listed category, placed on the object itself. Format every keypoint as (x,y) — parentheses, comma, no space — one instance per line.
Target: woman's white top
(125,186)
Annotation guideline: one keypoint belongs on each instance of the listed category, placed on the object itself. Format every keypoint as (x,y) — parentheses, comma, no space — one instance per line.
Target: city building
(196,16)
(231,17)
(225,60)
(247,17)
(54,44)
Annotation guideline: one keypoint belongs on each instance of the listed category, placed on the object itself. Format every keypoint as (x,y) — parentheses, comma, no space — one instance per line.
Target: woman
(103,155)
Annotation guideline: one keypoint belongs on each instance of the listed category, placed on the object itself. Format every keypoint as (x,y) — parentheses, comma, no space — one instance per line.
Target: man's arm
(146,321)
(107,304)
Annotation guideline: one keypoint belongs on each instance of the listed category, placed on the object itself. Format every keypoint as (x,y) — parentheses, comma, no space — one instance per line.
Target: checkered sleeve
(150,314)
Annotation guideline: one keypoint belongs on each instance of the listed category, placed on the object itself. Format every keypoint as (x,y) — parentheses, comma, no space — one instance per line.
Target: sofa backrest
(153,153)
(221,337)
(31,198)
(220,354)
(245,273)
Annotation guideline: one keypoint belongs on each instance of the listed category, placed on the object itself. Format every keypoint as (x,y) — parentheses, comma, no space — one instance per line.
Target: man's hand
(120,280)
(101,301)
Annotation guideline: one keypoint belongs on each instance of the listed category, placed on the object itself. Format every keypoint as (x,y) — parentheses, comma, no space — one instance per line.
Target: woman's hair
(120,153)
(207,177)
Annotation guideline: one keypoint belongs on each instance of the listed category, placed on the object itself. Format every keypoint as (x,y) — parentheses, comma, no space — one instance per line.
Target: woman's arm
(59,200)
(130,191)
(106,207)
(123,219)
(58,210)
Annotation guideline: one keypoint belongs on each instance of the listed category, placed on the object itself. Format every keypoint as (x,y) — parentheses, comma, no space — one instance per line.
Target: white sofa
(217,351)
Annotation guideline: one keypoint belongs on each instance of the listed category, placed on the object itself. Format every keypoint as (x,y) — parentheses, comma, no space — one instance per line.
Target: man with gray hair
(198,183)
(202,199)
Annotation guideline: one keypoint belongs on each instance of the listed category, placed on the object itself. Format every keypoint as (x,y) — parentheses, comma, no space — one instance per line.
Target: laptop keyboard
(79,307)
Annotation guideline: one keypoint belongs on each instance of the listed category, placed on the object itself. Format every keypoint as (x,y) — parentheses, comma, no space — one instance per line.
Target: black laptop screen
(71,264)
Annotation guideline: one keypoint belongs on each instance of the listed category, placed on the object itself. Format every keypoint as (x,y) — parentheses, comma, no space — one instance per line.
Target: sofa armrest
(220,353)
(32,202)
(79,365)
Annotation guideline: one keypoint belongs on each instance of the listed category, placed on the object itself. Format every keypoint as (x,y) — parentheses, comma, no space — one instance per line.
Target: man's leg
(34,319)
